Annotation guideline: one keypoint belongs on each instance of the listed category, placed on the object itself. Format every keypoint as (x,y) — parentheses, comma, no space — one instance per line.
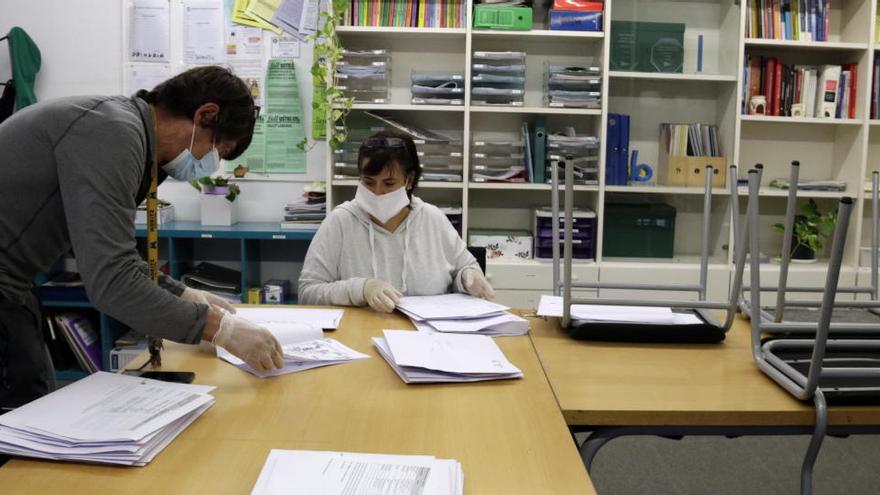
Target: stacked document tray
(364,75)
(579,152)
(572,86)
(437,88)
(583,234)
(498,78)
(498,161)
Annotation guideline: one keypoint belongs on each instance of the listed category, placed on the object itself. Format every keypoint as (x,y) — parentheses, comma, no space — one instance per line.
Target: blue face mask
(186,167)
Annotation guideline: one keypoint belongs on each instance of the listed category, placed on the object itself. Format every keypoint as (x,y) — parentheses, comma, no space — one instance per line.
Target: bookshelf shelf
(537,33)
(800,120)
(805,45)
(408,108)
(717,191)
(402,32)
(503,186)
(773,192)
(423,184)
(536,110)
(661,76)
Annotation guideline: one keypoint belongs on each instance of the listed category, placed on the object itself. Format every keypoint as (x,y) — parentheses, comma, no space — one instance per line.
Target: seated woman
(387,242)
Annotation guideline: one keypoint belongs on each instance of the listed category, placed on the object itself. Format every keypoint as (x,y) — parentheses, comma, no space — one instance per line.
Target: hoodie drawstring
(405,252)
(372,250)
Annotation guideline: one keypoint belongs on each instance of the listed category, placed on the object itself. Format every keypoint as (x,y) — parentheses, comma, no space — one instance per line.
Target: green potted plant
(811,229)
(217,200)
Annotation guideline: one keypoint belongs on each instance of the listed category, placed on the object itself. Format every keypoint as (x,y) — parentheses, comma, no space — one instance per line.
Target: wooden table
(509,435)
(614,384)
(618,389)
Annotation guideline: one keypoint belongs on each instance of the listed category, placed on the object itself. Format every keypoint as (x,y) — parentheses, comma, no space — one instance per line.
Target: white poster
(203,32)
(285,46)
(146,77)
(149,31)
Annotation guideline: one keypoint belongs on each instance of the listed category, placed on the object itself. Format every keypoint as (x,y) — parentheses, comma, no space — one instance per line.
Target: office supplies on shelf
(437,88)
(699,53)
(402,13)
(307,211)
(214,278)
(579,152)
(85,422)
(583,234)
(64,286)
(498,78)
(304,348)
(540,147)
(275,291)
(810,185)
(575,20)
(82,338)
(425,357)
(647,46)
(165,213)
(499,161)
(509,18)
(344,473)
(364,75)
(685,150)
(572,86)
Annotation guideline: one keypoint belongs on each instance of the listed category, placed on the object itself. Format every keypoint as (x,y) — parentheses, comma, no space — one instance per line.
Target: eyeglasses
(383,142)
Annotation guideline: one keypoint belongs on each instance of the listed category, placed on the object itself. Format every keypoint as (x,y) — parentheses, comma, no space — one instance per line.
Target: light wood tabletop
(617,384)
(509,435)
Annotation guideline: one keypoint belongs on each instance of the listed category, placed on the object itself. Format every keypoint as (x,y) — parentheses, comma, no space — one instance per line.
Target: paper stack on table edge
(104,418)
(342,473)
(646,315)
(461,313)
(421,357)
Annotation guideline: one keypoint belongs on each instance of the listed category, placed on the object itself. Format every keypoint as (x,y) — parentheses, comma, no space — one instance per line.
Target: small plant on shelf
(811,229)
(217,185)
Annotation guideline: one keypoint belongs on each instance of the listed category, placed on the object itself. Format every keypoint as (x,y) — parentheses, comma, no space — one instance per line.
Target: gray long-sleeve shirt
(73,172)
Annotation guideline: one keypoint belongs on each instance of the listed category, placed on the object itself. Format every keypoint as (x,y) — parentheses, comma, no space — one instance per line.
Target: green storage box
(502,18)
(647,46)
(639,230)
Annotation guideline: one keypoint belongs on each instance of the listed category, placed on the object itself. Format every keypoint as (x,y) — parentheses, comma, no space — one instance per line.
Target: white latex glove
(250,342)
(205,297)
(475,284)
(381,295)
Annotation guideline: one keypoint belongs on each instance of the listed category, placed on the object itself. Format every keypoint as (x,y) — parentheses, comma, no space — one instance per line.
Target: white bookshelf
(842,149)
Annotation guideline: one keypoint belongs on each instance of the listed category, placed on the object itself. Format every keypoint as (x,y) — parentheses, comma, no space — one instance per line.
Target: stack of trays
(364,75)
(583,234)
(581,152)
(499,78)
(437,88)
(572,87)
(497,161)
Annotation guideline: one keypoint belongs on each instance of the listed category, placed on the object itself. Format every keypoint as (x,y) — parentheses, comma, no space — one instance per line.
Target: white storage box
(217,210)
(506,245)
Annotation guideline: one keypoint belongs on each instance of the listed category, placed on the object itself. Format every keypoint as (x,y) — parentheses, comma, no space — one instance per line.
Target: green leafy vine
(329,104)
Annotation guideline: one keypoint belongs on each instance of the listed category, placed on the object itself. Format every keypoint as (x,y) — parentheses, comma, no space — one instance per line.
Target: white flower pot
(217,210)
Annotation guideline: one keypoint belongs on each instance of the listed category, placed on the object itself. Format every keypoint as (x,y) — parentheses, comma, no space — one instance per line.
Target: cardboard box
(505,245)
(275,291)
(689,171)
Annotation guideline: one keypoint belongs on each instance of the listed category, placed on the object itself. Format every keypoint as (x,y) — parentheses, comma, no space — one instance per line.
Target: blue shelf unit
(177,239)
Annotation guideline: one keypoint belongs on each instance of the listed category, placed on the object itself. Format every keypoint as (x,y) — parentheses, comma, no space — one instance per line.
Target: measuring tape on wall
(153,233)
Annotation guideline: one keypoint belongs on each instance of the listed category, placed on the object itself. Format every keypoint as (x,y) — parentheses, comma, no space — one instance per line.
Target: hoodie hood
(416,207)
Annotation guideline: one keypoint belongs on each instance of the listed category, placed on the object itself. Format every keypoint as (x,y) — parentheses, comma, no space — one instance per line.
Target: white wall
(81,42)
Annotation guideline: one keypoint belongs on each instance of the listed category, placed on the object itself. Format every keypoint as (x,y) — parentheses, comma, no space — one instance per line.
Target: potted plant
(217,200)
(811,229)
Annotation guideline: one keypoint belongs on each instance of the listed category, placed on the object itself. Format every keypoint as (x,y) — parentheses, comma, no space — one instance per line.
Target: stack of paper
(104,418)
(422,357)
(342,473)
(552,306)
(299,333)
(461,313)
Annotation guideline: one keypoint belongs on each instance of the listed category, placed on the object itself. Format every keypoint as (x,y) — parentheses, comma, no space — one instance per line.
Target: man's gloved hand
(250,342)
(475,284)
(381,295)
(205,297)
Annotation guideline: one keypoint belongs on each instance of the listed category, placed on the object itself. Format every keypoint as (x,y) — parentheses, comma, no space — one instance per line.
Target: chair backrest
(480,254)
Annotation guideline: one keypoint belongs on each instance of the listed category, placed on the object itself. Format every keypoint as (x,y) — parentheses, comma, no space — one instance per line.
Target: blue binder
(612,149)
(623,152)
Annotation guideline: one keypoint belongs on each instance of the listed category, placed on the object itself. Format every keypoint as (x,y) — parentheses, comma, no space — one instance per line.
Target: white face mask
(381,207)
(186,167)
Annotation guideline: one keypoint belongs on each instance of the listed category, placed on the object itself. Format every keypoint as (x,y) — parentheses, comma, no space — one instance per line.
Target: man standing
(74,171)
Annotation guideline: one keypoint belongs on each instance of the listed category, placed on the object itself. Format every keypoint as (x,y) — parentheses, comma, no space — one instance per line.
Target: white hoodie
(424,256)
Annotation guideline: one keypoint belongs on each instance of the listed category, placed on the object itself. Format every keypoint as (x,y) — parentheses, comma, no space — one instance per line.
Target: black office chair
(480,254)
